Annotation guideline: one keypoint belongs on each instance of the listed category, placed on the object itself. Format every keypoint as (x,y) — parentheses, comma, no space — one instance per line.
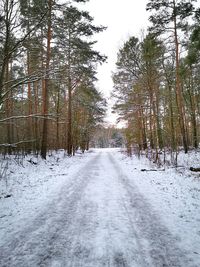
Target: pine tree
(170,16)
(78,54)
(46,82)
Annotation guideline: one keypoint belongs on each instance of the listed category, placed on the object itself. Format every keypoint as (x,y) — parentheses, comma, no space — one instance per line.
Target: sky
(123,18)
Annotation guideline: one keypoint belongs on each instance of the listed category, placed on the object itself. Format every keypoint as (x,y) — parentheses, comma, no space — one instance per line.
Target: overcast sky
(123,18)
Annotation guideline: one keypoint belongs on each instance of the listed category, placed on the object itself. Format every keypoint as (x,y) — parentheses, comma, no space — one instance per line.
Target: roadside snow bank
(174,193)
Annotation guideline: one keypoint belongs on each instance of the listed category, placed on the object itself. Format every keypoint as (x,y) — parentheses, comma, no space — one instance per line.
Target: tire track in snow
(162,248)
(98,219)
(42,243)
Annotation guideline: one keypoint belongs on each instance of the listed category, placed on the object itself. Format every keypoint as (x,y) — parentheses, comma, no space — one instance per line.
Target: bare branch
(18,143)
(48,116)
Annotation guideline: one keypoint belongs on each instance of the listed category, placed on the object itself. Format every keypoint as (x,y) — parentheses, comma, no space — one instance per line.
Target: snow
(174,193)
(99,209)
(32,185)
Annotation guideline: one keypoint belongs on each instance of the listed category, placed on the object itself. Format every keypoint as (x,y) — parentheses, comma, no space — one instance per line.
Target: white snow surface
(174,193)
(99,209)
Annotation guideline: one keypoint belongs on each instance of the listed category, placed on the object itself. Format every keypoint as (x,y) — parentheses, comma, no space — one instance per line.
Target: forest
(157,83)
(48,66)
(48,98)
(76,189)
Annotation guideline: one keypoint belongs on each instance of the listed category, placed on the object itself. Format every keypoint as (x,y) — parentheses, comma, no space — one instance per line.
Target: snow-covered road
(98,218)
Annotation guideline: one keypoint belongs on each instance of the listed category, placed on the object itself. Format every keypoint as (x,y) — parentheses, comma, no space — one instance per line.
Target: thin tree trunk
(57,120)
(36,109)
(142,123)
(151,129)
(69,118)
(173,141)
(69,107)
(8,110)
(179,96)
(46,86)
(159,130)
(30,108)
(193,115)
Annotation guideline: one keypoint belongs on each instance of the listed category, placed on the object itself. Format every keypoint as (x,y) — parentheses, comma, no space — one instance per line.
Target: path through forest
(98,219)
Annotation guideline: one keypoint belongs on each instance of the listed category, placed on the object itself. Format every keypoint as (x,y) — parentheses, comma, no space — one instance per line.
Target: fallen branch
(18,143)
(32,162)
(151,170)
(6,196)
(194,169)
(177,167)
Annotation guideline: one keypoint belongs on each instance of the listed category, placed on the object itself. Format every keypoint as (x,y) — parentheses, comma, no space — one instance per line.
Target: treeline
(107,137)
(157,82)
(48,98)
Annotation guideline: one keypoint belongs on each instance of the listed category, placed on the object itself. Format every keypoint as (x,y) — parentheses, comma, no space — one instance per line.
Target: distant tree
(107,137)
(89,110)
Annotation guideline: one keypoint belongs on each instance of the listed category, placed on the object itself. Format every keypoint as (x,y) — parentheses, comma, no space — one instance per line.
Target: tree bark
(69,118)
(8,111)
(179,97)
(57,120)
(46,85)
(193,112)
(30,108)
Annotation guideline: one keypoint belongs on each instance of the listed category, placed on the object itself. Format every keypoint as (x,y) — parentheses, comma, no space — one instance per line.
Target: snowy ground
(173,193)
(99,209)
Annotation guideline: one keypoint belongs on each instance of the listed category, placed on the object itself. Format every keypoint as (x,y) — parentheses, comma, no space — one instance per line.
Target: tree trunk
(159,130)
(30,108)
(5,54)
(193,113)
(46,86)
(8,111)
(151,129)
(69,118)
(179,97)
(57,120)
(173,141)
(36,109)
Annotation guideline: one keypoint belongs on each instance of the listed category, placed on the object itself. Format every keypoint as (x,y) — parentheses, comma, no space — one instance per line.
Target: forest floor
(99,209)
